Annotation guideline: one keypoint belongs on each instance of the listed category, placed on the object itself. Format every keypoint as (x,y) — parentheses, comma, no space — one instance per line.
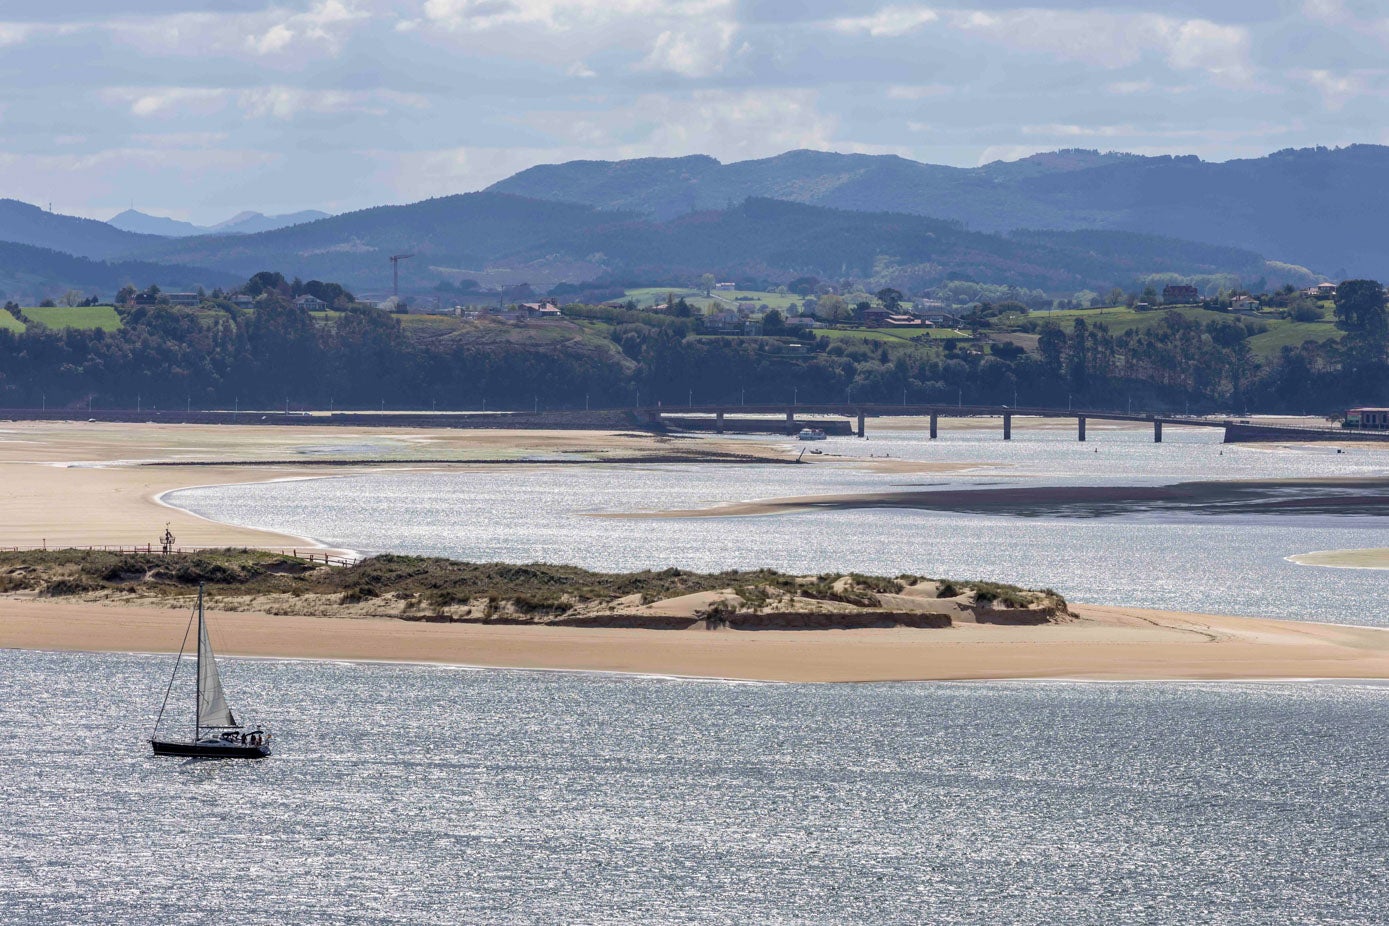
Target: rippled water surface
(406,794)
(1213,564)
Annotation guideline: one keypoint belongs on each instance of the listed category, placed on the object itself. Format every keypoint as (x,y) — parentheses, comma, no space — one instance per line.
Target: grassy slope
(9,323)
(889,335)
(94,316)
(1280,332)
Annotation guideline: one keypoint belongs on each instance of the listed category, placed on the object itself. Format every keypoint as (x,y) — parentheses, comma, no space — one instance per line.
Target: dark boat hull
(210,750)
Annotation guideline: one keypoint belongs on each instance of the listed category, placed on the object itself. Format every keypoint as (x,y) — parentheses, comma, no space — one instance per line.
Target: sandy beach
(1105,643)
(83,483)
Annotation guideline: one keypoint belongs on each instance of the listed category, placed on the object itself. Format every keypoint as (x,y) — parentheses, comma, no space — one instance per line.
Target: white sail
(212,705)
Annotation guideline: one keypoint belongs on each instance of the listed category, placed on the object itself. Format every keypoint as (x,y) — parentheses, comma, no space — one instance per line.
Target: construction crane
(395,272)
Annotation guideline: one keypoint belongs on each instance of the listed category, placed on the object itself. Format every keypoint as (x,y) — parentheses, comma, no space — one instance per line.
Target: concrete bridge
(711,417)
(1237,430)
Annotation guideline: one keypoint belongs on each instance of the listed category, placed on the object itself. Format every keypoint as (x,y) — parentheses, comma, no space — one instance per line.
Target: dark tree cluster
(362,357)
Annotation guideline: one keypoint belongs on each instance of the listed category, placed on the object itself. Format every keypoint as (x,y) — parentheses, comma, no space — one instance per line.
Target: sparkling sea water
(1222,564)
(407,794)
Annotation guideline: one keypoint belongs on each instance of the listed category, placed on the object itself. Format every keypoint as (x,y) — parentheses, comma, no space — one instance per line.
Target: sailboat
(216,732)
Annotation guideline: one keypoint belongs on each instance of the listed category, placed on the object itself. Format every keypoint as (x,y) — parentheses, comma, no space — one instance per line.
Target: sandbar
(84,484)
(1113,643)
(1373,558)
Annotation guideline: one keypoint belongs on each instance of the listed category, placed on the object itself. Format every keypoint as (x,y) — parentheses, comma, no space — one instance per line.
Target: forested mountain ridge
(503,238)
(23,223)
(1316,207)
(28,274)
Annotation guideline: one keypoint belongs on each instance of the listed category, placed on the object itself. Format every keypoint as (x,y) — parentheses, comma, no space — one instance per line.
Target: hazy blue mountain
(30,274)
(1319,207)
(243,223)
(248,223)
(447,236)
(499,238)
(26,224)
(133,220)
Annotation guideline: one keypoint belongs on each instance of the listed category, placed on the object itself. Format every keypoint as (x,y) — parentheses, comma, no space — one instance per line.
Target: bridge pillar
(790,421)
(718,422)
(1157,431)
(1080,428)
(1007,426)
(861,428)
(935,421)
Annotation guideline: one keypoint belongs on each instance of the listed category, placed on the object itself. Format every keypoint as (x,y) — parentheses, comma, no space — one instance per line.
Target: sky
(198,110)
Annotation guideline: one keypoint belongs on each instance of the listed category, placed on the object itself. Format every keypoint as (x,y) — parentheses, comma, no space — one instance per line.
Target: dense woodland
(363,357)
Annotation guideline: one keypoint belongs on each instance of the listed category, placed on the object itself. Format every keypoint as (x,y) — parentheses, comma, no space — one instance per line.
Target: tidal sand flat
(1377,558)
(1357,496)
(91,484)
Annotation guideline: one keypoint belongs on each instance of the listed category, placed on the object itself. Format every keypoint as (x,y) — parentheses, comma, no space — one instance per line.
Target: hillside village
(1179,346)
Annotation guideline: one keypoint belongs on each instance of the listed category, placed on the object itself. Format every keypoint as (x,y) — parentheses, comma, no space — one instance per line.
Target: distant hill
(1318,207)
(499,238)
(243,223)
(446,236)
(22,223)
(248,223)
(29,274)
(133,220)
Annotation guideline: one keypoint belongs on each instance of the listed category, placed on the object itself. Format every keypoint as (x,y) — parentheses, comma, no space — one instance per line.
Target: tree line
(362,357)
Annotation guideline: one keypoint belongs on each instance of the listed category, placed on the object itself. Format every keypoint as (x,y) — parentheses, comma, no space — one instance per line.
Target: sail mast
(198,690)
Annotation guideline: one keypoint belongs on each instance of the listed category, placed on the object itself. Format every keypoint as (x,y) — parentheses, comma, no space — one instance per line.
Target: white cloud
(560,15)
(1114,40)
(1064,130)
(159,101)
(889,22)
(693,53)
(14,33)
(282,102)
(918,92)
(1327,11)
(273,101)
(1338,89)
(326,24)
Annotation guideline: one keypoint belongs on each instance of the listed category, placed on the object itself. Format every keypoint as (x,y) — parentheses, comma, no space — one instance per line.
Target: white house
(189,299)
(310,303)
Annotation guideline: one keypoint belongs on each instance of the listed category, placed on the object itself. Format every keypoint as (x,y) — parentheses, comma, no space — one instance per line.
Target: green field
(90,316)
(727,299)
(889,335)
(1281,331)
(772,300)
(1286,333)
(9,323)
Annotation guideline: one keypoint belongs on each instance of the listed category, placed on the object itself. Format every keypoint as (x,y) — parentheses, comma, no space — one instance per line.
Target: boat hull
(209,750)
